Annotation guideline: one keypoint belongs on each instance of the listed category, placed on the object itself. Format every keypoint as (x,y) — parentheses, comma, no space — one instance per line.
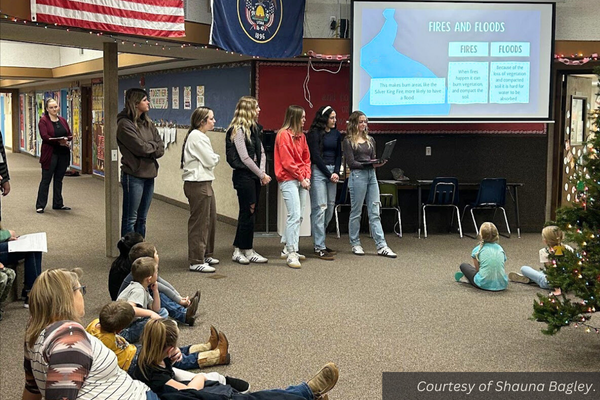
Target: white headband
(325,109)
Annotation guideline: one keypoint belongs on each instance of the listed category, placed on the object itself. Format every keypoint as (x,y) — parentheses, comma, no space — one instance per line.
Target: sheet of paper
(29,242)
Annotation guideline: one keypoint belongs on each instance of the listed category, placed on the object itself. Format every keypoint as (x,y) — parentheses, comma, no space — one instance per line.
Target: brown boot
(324,381)
(219,356)
(212,343)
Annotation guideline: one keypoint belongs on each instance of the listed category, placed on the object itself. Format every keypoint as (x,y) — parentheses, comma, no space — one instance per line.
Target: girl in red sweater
(292,169)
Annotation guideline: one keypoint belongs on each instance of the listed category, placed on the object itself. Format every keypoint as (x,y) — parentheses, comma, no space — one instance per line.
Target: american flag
(162,18)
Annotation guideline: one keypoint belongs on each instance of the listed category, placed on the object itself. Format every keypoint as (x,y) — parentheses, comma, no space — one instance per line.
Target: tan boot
(212,343)
(324,381)
(219,356)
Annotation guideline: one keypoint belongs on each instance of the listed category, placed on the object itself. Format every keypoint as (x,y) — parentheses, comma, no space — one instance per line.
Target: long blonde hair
(51,299)
(293,119)
(244,116)
(199,117)
(157,337)
(488,233)
(353,134)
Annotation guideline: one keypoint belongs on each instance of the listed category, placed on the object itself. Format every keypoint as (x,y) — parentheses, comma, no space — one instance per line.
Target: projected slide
(452,60)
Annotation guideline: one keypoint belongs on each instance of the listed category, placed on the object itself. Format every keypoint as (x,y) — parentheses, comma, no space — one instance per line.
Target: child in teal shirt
(489,258)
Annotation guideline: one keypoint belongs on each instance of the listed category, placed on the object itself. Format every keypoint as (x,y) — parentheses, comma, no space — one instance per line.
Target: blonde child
(552,237)
(489,258)
(155,369)
(117,315)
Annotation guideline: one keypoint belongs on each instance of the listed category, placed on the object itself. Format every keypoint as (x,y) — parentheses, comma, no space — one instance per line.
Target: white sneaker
(358,250)
(239,257)
(284,255)
(293,261)
(202,268)
(211,260)
(254,257)
(386,252)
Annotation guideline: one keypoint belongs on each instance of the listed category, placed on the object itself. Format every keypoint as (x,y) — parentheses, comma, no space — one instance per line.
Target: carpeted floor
(367,314)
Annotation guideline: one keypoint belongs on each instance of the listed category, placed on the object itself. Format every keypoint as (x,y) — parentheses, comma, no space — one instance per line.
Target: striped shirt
(68,363)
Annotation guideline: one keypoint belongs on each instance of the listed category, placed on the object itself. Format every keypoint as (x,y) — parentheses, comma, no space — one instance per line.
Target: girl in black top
(325,145)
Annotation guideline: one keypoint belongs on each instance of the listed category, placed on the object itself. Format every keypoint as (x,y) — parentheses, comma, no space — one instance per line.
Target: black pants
(469,271)
(247,186)
(58,167)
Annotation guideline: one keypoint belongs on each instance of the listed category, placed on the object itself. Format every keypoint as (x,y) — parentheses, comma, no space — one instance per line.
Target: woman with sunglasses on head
(140,146)
(62,361)
(55,156)
(359,150)
(325,145)
(198,161)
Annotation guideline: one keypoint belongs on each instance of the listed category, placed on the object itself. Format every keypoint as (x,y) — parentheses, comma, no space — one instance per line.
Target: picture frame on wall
(578,119)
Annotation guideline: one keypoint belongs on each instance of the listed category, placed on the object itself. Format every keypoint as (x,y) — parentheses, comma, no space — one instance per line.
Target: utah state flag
(265,28)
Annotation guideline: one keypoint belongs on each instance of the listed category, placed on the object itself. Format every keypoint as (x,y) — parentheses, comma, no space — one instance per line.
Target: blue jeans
(302,390)
(33,263)
(538,277)
(295,200)
(137,196)
(150,395)
(133,332)
(322,200)
(363,186)
(175,310)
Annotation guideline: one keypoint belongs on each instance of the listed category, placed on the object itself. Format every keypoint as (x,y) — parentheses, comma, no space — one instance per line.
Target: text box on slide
(468,82)
(509,82)
(401,91)
(468,49)
(510,49)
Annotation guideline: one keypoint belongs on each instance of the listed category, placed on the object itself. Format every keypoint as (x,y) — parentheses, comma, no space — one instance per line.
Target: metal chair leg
(459,224)
(337,221)
(505,220)
(424,221)
(399,223)
(474,223)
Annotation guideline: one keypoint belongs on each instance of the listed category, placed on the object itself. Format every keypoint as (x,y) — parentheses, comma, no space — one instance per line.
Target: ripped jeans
(322,199)
(364,189)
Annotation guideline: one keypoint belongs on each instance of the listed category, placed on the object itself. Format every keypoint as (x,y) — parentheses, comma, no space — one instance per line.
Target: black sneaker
(26,303)
(238,384)
(324,254)
(331,251)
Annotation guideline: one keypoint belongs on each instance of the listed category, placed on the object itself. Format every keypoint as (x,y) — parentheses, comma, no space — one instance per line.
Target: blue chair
(443,193)
(491,196)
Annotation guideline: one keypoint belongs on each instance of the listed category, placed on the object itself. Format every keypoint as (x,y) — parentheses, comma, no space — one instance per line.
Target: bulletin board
(175,94)
(280,84)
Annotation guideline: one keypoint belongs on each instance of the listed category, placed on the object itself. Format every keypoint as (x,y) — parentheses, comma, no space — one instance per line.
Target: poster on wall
(98,127)
(159,98)
(175,97)
(31,125)
(39,102)
(75,100)
(22,135)
(187,97)
(199,96)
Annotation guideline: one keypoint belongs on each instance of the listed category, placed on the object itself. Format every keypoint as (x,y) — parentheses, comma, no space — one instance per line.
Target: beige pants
(203,218)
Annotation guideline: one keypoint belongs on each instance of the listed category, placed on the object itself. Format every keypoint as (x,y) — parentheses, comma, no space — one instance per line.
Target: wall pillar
(111,168)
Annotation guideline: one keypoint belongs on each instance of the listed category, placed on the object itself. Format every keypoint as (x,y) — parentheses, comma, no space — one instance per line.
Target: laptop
(387,153)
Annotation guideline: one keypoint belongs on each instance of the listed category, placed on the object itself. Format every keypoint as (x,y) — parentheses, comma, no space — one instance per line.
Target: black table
(419,184)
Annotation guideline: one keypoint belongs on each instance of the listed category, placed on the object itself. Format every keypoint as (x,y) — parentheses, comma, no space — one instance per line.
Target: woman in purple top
(55,156)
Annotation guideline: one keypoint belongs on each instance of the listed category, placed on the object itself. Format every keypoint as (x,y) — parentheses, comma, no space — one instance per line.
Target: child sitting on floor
(117,315)
(166,291)
(7,277)
(121,266)
(489,258)
(552,237)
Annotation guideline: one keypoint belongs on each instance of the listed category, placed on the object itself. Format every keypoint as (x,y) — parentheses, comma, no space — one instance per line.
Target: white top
(199,159)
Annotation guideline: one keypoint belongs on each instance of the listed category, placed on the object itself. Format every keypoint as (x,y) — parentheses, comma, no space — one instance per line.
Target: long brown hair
(51,299)
(157,337)
(133,97)
(199,117)
(293,119)
(244,116)
(353,133)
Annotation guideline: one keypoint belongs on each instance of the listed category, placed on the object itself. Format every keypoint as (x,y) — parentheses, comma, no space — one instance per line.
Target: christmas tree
(577,273)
